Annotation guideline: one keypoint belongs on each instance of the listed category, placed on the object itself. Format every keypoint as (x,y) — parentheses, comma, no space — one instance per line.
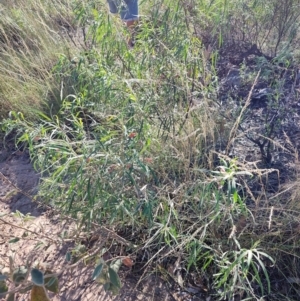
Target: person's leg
(113,6)
(130,24)
(128,10)
(130,15)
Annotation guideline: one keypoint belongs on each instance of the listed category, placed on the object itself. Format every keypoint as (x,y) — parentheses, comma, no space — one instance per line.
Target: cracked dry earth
(39,241)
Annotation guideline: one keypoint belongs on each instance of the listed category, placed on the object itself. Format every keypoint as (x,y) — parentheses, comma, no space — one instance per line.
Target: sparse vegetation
(184,146)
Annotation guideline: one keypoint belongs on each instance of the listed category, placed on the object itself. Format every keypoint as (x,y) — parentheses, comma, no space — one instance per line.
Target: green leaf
(257,277)
(114,278)
(14,240)
(103,278)
(264,271)
(51,284)
(43,116)
(115,265)
(266,255)
(37,277)
(18,214)
(114,289)
(19,274)
(68,257)
(98,270)
(39,245)
(107,286)
(80,249)
(3,287)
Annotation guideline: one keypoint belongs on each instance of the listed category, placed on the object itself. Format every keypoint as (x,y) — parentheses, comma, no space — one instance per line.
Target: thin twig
(25,229)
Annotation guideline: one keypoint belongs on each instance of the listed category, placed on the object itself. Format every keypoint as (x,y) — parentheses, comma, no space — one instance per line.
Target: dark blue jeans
(128,9)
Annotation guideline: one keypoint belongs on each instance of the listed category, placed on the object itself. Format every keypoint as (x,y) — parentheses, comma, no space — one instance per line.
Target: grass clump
(142,144)
(33,34)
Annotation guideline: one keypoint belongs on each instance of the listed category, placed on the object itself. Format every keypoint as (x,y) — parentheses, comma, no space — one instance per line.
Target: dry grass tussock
(33,34)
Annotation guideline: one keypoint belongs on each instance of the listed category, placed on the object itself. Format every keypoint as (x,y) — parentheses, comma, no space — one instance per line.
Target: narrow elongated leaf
(98,270)
(249,259)
(266,255)
(264,271)
(257,277)
(13,240)
(68,257)
(51,284)
(38,293)
(37,277)
(39,245)
(115,265)
(114,278)
(102,278)
(114,289)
